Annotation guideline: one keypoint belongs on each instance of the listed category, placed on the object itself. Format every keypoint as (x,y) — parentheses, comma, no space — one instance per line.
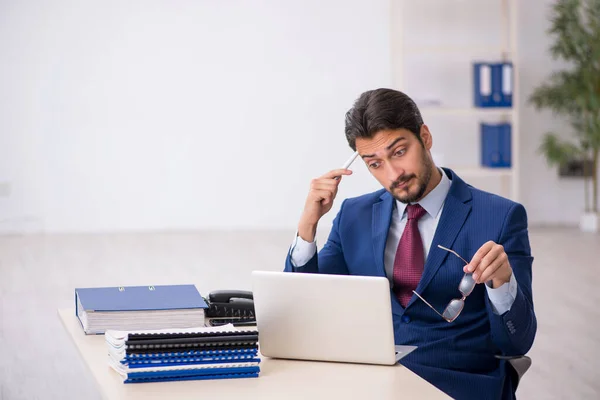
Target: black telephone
(230,306)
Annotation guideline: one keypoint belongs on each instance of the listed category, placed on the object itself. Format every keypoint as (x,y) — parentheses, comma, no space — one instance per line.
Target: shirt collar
(432,203)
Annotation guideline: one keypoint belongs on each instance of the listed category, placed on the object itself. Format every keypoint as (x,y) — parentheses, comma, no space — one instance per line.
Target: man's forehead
(381,141)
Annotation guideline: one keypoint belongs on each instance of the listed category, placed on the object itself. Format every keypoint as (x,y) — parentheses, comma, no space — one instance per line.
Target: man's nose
(393,172)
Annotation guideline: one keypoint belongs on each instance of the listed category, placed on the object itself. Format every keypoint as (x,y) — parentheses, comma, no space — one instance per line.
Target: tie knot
(415,211)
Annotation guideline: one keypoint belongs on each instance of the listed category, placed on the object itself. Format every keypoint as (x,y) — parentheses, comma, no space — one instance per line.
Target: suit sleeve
(514,331)
(330,260)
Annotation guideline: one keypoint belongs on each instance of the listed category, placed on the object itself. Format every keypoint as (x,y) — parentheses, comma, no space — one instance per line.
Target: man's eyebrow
(387,148)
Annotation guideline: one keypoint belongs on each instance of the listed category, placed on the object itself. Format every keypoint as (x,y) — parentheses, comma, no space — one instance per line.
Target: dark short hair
(382,109)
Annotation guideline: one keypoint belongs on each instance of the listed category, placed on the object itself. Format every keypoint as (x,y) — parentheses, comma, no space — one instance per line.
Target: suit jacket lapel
(457,207)
(382,217)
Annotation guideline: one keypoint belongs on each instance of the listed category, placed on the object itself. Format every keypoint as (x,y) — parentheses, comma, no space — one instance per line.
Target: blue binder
(492,84)
(496,145)
(482,84)
(137,298)
(135,307)
(502,74)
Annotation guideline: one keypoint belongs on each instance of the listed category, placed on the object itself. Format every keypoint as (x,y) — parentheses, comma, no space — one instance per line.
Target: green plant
(574,92)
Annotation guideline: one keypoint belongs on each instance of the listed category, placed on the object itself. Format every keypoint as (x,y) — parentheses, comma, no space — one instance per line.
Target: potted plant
(575,93)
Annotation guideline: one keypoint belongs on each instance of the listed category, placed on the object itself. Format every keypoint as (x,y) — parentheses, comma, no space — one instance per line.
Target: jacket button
(405,319)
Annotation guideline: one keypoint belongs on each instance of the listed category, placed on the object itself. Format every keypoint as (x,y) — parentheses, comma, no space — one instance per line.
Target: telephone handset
(230,306)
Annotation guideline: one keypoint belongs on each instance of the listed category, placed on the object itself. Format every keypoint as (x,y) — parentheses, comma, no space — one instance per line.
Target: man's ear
(426,137)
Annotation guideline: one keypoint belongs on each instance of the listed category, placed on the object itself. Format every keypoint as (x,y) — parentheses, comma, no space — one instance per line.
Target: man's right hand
(319,201)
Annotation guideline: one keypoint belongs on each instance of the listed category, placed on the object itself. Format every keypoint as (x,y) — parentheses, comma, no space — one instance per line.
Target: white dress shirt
(501,298)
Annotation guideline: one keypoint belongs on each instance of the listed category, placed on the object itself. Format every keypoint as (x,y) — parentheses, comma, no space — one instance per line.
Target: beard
(422,182)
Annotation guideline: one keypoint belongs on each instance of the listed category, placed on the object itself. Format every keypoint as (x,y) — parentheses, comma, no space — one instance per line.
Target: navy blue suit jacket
(456,357)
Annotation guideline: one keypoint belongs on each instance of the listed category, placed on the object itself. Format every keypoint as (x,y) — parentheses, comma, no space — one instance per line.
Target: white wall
(548,198)
(134,115)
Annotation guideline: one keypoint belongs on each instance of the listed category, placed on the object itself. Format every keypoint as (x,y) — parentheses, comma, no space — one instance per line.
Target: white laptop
(325,318)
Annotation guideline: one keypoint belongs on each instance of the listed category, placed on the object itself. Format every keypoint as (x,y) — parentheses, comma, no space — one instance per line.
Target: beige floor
(38,275)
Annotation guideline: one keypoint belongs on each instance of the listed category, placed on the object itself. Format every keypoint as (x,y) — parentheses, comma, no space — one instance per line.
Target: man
(396,232)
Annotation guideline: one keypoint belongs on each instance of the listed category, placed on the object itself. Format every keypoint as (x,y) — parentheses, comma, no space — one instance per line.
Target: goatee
(422,183)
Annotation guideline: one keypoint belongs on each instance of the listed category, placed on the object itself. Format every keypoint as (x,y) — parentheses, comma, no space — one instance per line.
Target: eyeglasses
(465,287)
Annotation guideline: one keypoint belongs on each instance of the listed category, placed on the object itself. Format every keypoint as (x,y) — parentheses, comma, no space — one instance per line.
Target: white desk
(278,379)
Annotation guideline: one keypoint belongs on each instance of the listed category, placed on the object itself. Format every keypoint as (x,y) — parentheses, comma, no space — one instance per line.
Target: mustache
(401,180)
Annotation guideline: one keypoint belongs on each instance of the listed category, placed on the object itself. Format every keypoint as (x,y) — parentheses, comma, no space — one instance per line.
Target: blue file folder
(482,84)
(496,145)
(507,85)
(137,298)
(492,84)
(139,307)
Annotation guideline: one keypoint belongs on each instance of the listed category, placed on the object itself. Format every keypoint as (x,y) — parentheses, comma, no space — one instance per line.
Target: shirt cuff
(302,251)
(502,297)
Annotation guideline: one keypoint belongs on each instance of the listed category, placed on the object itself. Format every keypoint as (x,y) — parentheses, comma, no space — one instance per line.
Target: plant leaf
(557,151)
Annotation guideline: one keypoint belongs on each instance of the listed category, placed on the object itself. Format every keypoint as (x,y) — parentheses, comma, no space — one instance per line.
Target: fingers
(330,180)
(324,190)
(487,261)
(482,252)
(324,184)
(324,196)
(329,185)
(336,172)
(490,272)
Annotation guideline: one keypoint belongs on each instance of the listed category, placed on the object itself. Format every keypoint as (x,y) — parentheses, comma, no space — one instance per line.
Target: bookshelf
(434,43)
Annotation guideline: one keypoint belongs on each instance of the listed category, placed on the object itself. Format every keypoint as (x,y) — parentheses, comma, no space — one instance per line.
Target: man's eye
(374,165)
(400,152)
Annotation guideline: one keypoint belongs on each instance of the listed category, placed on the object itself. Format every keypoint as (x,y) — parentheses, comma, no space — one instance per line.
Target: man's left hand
(490,263)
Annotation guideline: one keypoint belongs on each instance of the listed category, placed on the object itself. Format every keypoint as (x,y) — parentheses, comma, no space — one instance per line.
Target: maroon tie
(409,261)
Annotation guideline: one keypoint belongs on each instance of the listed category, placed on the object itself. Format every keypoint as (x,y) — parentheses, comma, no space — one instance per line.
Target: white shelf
(433,110)
(483,172)
(467,50)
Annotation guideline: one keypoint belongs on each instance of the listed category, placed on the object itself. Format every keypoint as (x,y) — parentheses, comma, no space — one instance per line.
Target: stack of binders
(185,354)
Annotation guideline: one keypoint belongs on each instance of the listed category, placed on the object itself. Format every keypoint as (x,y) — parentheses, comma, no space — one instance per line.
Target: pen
(348,163)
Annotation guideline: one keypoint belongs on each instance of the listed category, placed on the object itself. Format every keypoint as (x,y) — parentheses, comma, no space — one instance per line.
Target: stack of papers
(139,307)
(183,354)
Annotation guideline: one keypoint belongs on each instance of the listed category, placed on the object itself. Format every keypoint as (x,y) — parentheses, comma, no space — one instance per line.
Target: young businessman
(417,231)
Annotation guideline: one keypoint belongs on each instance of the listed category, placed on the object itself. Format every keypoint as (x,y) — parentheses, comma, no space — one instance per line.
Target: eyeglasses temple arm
(430,306)
(453,252)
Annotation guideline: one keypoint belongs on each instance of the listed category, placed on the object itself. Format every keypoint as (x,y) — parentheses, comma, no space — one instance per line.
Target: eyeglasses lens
(467,284)
(453,309)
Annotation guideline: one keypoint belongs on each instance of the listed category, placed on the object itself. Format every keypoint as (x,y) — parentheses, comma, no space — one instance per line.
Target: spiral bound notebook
(191,354)
(204,371)
(186,341)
